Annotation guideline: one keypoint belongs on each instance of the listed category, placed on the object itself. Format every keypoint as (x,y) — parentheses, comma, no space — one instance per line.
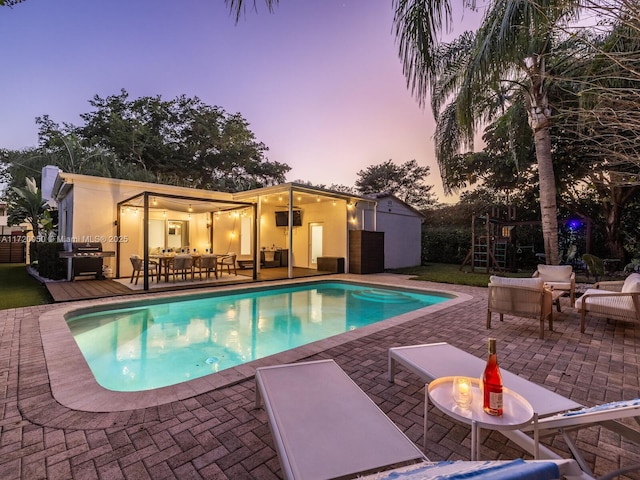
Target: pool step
(383,296)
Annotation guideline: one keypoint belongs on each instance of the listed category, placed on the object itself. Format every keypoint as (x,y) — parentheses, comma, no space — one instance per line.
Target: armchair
(617,300)
(521,297)
(560,277)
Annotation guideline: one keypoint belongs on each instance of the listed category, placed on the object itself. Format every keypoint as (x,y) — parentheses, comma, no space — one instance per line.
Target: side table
(518,412)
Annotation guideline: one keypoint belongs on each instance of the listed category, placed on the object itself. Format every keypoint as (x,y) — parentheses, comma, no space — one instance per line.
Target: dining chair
(181,265)
(229,261)
(208,263)
(138,264)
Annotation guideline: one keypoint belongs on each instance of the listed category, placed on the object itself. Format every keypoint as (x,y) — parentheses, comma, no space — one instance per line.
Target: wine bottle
(492,383)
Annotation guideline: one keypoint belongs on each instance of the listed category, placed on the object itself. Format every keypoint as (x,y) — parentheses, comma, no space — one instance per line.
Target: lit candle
(462,392)
(464,387)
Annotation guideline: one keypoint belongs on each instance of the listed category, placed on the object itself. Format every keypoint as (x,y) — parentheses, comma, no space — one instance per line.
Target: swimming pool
(166,342)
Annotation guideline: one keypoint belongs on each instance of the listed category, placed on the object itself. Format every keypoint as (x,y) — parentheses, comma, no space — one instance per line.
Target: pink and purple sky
(319,82)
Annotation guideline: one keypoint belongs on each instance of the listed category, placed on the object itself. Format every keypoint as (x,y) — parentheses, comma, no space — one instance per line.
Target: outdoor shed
(402,227)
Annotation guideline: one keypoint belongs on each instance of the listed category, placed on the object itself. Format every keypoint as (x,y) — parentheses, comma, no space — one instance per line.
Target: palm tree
(510,55)
(512,48)
(28,206)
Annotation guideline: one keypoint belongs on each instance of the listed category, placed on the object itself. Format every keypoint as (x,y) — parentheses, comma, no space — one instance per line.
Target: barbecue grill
(86,259)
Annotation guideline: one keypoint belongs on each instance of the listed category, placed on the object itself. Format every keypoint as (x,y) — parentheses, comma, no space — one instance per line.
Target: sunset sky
(319,81)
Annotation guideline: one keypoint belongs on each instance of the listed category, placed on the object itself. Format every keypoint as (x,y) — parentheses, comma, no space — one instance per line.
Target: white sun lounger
(556,412)
(519,469)
(605,415)
(324,426)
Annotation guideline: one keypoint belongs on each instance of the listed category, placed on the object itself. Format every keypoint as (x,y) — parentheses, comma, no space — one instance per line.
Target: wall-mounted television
(282,219)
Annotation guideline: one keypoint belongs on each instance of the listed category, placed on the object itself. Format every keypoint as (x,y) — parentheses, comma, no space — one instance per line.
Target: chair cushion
(555,273)
(517,282)
(621,306)
(632,283)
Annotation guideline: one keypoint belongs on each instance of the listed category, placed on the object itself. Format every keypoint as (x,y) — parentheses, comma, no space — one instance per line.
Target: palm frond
(238,8)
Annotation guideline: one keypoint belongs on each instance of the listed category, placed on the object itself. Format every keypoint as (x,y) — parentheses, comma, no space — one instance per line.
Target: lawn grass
(449,273)
(19,289)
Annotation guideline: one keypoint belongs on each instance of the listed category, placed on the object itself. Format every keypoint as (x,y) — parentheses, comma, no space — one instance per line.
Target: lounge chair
(521,297)
(558,277)
(556,412)
(606,415)
(325,427)
(486,470)
(616,300)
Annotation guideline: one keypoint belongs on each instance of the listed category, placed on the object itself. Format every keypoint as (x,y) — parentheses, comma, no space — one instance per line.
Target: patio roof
(303,194)
(181,203)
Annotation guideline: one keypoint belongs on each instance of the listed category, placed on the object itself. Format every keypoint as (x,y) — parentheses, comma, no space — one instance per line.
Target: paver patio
(219,434)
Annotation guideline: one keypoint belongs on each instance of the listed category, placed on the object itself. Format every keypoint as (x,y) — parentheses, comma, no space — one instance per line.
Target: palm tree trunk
(548,207)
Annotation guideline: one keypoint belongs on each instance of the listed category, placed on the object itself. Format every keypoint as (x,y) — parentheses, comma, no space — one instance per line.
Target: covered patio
(284,228)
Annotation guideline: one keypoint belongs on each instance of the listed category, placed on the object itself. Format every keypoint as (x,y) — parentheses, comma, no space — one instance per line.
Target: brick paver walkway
(219,434)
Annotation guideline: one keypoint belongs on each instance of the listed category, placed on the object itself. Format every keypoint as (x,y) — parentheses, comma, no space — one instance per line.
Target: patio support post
(146,240)
(256,233)
(118,230)
(290,239)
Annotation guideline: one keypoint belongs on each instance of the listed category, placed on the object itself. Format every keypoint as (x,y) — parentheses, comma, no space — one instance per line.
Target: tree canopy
(406,181)
(181,142)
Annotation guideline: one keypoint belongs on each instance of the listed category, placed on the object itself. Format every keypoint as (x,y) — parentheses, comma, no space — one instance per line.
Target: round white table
(517,412)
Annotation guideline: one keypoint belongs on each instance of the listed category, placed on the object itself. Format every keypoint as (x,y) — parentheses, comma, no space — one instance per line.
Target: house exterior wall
(402,229)
(89,209)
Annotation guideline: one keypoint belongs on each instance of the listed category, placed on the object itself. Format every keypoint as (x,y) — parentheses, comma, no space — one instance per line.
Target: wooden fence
(13,248)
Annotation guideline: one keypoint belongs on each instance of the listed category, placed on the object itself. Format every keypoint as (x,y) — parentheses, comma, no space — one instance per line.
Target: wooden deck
(88,288)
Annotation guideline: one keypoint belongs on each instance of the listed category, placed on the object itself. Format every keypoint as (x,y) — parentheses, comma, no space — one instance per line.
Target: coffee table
(517,413)
(555,300)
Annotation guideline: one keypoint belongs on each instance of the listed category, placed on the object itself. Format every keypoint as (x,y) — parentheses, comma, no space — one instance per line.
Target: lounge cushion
(632,283)
(517,282)
(621,306)
(555,273)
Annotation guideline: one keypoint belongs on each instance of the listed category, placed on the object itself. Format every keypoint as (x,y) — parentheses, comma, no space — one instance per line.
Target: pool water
(159,344)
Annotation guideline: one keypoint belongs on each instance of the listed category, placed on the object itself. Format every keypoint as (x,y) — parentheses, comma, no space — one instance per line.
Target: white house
(305,225)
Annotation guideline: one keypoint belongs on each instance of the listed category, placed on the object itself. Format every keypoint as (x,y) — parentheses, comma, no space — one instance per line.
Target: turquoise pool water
(163,343)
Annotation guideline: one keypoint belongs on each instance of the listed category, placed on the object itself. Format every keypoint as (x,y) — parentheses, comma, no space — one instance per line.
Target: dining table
(165,259)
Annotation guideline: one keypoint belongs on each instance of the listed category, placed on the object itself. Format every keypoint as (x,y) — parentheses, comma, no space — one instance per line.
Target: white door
(315,247)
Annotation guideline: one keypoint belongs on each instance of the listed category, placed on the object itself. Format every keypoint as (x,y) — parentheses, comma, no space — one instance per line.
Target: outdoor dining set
(184,266)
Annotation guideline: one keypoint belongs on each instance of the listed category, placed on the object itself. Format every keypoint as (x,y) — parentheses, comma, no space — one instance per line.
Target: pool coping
(74,386)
